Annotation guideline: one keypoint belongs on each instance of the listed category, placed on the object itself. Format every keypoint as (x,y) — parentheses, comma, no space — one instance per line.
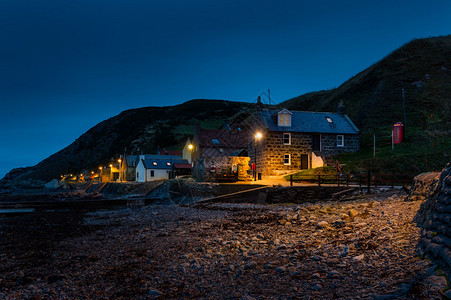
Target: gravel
(219,251)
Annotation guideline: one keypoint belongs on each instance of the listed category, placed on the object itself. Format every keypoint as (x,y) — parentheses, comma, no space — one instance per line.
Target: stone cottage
(297,140)
(217,152)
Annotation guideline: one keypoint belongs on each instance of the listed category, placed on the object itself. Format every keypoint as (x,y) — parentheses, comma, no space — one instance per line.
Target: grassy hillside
(373,100)
(144,129)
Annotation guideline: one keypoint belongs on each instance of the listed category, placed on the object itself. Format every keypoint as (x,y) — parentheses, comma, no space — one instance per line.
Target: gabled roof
(309,122)
(222,138)
(163,163)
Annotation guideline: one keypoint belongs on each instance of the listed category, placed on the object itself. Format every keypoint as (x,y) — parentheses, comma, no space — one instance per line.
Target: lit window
(329,120)
(215,141)
(287,159)
(221,150)
(284,119)
(287,138)
(340,140)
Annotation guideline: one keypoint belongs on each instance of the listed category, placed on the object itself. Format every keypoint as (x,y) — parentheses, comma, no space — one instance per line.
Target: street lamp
(258,136)
(120,169)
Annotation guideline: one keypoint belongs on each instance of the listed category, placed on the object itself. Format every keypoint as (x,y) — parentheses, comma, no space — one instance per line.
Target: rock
(358,258)
(344,216)
(315,276)
(322,224)
(332,261)
(317,287)
(250,265)
(334,274)
(154,293)
(352,213)
(281,270)
(292,271)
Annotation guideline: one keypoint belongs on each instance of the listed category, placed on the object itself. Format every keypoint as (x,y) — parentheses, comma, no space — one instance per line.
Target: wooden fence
(364,179)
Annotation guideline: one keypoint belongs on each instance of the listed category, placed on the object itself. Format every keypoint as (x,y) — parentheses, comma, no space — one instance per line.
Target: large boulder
(434,217)
(424,186)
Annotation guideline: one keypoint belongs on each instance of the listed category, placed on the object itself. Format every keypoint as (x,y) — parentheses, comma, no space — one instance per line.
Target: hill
(374,101)
(136,130)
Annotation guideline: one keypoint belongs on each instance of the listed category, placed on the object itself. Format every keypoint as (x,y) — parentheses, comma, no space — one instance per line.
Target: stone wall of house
(329,144)
(202,168)
(271,152)
(434,216)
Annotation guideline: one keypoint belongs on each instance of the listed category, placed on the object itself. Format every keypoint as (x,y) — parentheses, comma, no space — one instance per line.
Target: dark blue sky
(67,65)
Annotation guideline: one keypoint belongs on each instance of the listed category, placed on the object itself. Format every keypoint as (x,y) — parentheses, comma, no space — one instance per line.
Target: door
(316,142)
(304,161)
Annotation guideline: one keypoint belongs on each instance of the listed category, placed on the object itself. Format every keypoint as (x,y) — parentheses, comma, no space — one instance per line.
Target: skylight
(154,163)
(329,120)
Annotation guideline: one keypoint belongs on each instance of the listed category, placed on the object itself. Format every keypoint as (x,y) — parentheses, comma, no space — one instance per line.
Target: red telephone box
(398,133)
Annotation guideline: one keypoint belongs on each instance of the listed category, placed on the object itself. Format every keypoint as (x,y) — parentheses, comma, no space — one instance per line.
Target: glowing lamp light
(190,146)
(119,160)
(258,135)
(111,165)
(100,168)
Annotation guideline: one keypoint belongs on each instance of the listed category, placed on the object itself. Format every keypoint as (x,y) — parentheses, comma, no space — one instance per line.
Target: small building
(160,167)
(297,140)
(217,152)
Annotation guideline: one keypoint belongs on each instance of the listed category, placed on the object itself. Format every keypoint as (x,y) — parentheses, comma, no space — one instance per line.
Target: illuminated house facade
(297,140)
(160,167)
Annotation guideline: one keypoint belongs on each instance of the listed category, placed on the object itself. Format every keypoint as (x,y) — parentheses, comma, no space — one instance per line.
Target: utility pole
(374,144)
(404,110)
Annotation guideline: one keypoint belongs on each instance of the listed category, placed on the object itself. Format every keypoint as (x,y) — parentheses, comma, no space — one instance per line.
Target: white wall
(317,161)
(158,174)
(140,172)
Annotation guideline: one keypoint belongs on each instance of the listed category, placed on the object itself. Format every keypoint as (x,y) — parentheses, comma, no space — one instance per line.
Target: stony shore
(362,247)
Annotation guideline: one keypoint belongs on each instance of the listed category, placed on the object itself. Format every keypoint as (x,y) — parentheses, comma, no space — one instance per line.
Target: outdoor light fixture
(111,165)
(258,136)
(119,160)
(190,146)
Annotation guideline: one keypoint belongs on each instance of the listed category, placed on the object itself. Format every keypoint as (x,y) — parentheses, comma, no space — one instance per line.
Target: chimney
(259,103)
(341,108)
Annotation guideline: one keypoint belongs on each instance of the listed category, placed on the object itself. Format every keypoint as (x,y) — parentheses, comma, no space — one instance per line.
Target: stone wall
(271,150)
(223,164)
(329,144)
(434,217)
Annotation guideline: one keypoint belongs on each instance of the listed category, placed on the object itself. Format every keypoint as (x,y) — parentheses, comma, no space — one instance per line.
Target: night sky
(67,65)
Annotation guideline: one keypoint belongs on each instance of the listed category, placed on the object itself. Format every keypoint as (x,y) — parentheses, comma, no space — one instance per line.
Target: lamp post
(258,136)
(120,169)
(100,174)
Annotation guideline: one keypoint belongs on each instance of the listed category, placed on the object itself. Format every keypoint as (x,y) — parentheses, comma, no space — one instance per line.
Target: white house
(157,167)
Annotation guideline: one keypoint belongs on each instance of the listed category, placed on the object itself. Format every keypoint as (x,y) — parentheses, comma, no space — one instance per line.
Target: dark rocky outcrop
(434,216)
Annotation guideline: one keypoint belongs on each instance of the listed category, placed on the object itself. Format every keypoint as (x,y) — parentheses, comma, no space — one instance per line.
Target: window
(284,119)
(287,138)
(221,150)
(215,141)
(287,159)
(340,140)
(152,173)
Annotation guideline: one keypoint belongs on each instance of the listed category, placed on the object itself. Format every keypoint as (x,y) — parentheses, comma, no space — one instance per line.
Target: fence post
(291,180)
(369,181)
(338,179)
(347,180)
(319,180)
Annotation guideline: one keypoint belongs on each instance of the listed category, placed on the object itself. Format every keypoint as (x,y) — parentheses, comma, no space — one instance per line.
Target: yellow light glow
(258,135)
(111,166)
(100,168)
(190,147)
(92,172)
(119,160)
